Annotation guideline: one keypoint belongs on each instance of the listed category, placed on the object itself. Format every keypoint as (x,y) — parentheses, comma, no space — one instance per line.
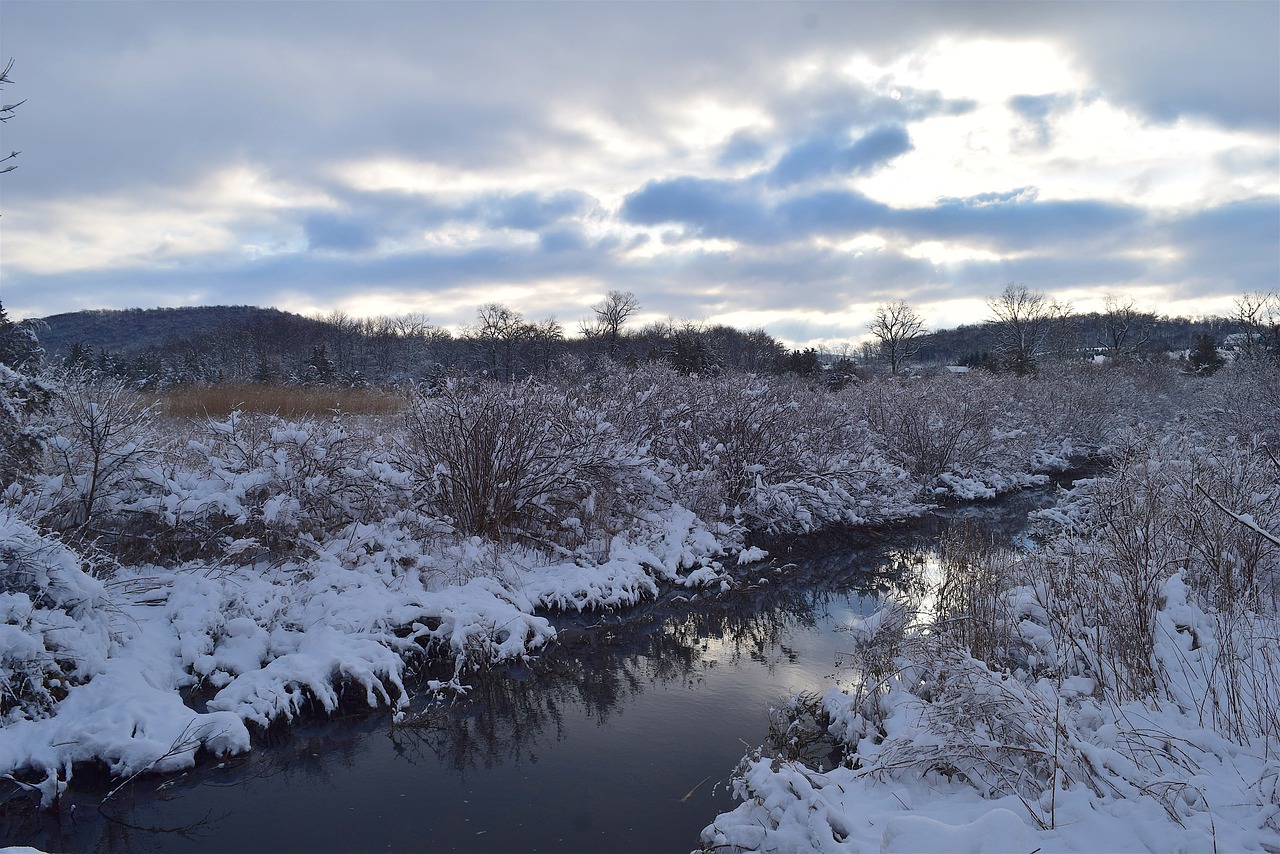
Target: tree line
(1024,329)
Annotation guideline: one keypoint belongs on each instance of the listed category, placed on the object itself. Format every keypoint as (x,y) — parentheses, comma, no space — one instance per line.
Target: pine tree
(22,397)
(1204,357)
(319,369)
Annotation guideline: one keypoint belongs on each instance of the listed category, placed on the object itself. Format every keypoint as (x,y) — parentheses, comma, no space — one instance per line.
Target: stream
(622,737)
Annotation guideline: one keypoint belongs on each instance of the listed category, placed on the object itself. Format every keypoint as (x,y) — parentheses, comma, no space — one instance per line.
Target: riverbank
(168,664)
(1114,687)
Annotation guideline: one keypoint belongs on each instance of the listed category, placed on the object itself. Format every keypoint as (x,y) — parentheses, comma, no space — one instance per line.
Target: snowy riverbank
(1114,688)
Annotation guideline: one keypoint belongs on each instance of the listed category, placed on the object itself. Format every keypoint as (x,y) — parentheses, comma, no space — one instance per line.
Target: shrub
(101,436)
(767,454)
(276,484)
(289,402)
(522,462)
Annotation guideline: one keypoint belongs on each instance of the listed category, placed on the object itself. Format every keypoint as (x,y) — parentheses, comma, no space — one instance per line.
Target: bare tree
(500,332)
(1256,311)
(6,113)
(611,313)
(897,329)
(1022,321)
(1124,328)
(545,338)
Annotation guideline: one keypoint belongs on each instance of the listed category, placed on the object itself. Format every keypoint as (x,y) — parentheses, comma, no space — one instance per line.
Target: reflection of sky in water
(618,743)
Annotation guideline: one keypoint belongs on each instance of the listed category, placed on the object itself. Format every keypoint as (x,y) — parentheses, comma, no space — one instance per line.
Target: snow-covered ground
(1003,764)
(164,594)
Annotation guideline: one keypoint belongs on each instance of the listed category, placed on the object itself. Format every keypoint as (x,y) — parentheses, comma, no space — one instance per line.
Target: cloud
(563,240)
(742,147)
(1230,248)
(771,158)
(710,207)
(534,211)
(743,210)
(832,212)
(1017,221)
(1037,110)
(1216,60)
(325,230)
(824,156)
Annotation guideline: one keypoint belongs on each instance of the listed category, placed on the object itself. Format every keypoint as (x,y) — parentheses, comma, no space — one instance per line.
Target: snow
(328,562)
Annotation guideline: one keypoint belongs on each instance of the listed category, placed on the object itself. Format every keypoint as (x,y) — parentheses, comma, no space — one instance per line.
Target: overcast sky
(777,165)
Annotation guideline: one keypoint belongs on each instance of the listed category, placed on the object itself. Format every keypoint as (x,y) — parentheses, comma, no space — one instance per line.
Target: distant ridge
(132,330)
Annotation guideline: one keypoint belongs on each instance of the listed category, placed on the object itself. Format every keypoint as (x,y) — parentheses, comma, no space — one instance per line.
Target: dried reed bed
(285,401)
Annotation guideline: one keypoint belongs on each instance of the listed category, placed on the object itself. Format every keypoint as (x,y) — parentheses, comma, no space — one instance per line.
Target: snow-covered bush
(1185,501)
(53,626)
(268,485)
(1244,399)
(523,461)
(101,435)
(22,399)
(769,454)
(960,434)
(1130,657)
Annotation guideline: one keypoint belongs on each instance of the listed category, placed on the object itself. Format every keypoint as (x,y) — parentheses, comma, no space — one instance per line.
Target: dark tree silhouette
(611,313)
(6,113)
(1204,357)
(897,330)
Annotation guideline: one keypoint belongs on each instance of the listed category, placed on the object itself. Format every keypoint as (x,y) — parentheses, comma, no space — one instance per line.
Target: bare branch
(1243,519)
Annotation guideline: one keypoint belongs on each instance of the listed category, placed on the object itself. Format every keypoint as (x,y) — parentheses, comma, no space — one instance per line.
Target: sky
(786,166)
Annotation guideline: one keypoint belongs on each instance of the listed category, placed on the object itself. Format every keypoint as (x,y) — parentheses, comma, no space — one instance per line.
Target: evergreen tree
(19,346)
(803,362)
(319,369)
(1204,357)
(23,396)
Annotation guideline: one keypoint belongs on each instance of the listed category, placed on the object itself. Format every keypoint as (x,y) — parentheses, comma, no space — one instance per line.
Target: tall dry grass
(284,401)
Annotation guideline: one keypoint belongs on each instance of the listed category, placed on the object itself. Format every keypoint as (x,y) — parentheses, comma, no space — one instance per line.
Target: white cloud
(311,182)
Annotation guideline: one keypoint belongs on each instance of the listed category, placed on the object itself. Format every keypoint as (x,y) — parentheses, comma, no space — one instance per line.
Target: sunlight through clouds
(939,252)
(159,226)
(989,70)
(894,149)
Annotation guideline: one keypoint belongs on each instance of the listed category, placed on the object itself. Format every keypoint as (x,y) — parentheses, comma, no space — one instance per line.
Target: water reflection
(597,668)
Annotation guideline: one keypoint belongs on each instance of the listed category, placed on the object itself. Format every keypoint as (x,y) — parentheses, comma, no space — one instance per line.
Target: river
(621,738)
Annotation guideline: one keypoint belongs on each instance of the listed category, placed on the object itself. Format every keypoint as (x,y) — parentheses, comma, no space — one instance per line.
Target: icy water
(621,739)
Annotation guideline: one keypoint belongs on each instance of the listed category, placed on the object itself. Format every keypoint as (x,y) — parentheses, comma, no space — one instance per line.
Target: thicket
(564,463)
(163,349)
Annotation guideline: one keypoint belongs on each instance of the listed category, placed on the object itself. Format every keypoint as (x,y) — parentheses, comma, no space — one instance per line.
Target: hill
(127,332)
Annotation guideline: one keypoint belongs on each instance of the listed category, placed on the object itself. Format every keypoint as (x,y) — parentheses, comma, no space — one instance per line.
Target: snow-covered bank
(988,763)
(1114,688)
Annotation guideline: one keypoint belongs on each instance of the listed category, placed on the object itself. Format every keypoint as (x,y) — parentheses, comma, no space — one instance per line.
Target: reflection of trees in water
(507,714)
(596,667)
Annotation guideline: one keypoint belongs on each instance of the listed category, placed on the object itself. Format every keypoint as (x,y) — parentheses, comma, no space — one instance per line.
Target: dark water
(622,738)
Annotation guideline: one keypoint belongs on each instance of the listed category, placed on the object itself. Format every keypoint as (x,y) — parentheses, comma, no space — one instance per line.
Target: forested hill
(132,330)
